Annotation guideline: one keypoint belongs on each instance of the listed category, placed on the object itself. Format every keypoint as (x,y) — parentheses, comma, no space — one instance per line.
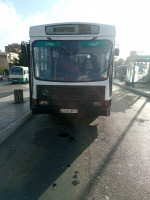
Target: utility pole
(133,75)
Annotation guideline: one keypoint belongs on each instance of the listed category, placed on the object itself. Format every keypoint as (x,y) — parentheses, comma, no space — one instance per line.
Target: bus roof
(104,30)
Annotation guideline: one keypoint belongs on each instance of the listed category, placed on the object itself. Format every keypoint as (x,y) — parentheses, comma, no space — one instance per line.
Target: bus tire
(34,112)
(107,112)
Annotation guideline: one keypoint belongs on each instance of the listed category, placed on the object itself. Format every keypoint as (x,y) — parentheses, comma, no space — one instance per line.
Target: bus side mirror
(25,51)
(116,51)
(28,53)
(23,47)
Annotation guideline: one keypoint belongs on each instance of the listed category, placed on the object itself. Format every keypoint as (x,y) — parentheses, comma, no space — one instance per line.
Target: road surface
(7,89)
(81,158)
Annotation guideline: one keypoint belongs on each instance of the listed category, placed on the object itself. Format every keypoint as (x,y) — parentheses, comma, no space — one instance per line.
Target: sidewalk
(140,89)
(12,115)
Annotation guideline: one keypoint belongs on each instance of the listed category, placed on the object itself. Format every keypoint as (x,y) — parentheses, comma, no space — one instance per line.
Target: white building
(6,59)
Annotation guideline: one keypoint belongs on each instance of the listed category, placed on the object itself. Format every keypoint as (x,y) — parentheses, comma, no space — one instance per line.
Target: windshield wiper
(49,38)
(94,38)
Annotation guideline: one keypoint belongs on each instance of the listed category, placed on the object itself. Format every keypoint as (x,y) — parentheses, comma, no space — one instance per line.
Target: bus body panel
(88,84)
(81,98)
(88,99)
(105,30)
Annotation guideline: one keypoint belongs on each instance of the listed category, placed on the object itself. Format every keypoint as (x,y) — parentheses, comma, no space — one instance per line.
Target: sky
(131,18)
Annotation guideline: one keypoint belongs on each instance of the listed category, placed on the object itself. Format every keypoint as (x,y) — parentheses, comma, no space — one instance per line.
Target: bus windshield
(71,60)
(16,71)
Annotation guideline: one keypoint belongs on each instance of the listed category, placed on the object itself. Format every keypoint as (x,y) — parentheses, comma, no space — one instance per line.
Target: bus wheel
(26,81)
(107,112)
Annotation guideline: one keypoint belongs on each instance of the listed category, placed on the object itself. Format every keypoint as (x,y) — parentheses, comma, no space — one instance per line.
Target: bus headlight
(43,102)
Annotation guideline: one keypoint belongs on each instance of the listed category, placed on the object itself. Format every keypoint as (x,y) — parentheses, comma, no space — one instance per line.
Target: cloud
(130,17)
(88,11)
(12,27)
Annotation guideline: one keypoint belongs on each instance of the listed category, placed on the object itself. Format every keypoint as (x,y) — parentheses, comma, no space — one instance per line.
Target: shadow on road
(108,158)
(39,152)
(125,100)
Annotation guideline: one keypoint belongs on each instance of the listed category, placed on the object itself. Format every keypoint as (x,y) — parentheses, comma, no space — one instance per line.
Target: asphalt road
(7,89)
(81,158)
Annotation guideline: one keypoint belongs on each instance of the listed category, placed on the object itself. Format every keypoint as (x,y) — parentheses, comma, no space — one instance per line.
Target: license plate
(68,110)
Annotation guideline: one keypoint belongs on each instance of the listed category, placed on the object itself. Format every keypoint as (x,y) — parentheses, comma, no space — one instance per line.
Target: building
(14,47)
(6,59)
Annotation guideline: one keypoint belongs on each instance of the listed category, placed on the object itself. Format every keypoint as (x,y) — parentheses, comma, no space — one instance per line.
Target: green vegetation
(4,72)
(118,62)
(22,61)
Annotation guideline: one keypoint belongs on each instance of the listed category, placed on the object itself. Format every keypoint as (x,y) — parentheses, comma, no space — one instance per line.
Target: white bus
(71,68)
(19,74)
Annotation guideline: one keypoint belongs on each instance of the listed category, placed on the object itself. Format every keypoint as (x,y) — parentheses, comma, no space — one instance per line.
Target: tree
(4,72)
(1,71)
(22,61)
(15,62)
(118,62)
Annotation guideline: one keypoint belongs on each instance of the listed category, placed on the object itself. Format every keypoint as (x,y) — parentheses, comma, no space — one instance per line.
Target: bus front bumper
(100,108)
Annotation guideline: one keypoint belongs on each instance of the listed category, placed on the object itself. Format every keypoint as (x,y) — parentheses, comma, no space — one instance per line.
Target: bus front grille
(71,95)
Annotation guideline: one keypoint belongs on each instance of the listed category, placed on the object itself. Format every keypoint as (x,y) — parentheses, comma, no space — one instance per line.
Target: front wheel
(107,112)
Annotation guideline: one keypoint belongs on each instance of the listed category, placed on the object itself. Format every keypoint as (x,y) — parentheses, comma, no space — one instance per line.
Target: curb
(133,90)
(12,127)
